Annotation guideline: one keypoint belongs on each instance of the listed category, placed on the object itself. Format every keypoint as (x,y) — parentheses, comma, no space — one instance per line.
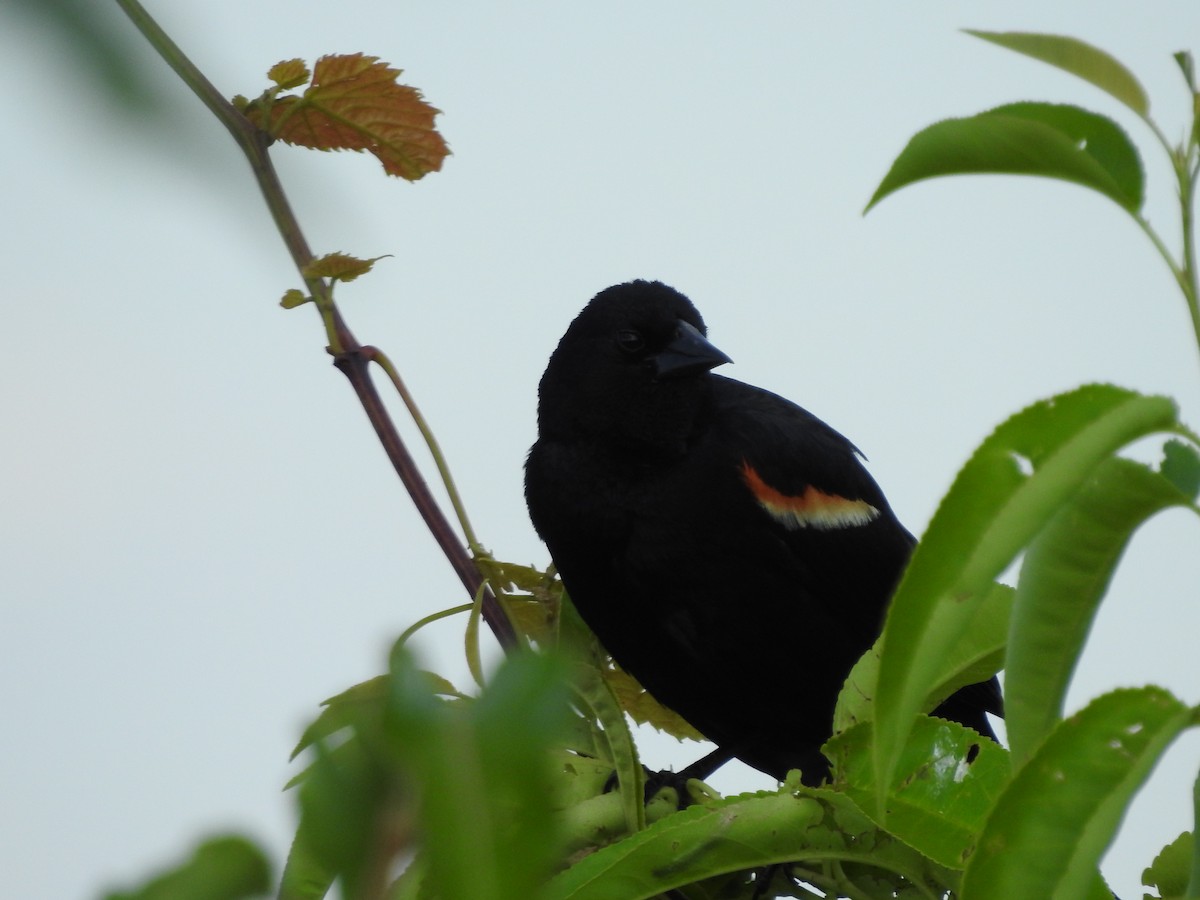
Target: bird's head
(631,370)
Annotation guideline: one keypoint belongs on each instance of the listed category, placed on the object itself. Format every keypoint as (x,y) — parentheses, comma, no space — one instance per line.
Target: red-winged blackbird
(726,546)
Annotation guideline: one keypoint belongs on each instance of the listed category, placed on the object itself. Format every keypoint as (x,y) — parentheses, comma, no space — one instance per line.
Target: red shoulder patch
(812,509)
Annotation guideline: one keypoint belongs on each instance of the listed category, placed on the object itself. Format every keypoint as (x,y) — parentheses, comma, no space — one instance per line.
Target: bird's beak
(688,352)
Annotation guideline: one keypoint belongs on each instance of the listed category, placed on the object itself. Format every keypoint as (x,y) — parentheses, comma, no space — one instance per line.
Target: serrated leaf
(1004,495)
(644,709)
(1171,868)
(1052,141)
(355,103)
(339,266)
(745,832)
(1080,59)
(289,73)
(1064,576)
(342,710)
(293,298)
(946,781)
(1049,829)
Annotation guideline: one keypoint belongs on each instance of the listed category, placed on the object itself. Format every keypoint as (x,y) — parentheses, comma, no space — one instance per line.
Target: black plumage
(727,547)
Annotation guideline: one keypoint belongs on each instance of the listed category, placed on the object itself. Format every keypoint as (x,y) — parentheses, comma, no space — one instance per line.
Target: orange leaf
(354,103)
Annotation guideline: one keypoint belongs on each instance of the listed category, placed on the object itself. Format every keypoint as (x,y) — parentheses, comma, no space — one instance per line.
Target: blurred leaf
(1170,870)
(306,876)
(339,266)
(293,298)
(355,103)
(484,777)
(1064,577)
(1081,59)
(103,52)
(946,781)
(976,657)
(1187,66)
(1181,466)
(364,699)
(1050,827)
(222,868)
(1052,141)
(355,817)
(991,512)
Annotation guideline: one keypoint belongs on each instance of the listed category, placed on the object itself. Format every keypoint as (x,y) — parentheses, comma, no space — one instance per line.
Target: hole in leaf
(1024,463)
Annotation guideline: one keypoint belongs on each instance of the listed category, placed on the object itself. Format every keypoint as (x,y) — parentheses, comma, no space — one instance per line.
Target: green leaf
(1181,466)
(744,832)
(945,783)
(1187,66)
(293,298)
(1081,59)
(591,693)
(1052,141)
(306,875)
(1193,886)
(1048,831)
(1170,869)
(976,657)
(1064,577)
(992,511)
(485,776)
(222,868)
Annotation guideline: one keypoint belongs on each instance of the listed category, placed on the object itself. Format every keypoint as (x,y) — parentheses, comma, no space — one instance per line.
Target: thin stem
(1186,175)
(377,356)
(1184,162)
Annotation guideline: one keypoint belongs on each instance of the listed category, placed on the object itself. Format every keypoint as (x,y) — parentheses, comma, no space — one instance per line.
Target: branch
(350,357)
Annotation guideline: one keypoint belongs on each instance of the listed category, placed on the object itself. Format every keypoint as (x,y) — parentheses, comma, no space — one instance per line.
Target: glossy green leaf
(749,831)
(1169,872)
(975,657)
(1052,141)
(946,781)
(1073,55)
(222,868)
(1050,827)
(1064,576)
(1002,497)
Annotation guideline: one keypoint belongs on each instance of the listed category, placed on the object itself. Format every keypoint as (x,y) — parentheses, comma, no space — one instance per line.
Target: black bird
(727,547)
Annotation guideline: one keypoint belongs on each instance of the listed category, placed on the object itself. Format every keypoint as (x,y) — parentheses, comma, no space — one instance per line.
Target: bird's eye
(630,341)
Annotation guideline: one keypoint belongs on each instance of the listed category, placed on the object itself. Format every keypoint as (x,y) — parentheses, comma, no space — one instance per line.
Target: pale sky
(200,537)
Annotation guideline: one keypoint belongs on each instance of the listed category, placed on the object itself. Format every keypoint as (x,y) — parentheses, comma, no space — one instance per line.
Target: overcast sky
(201,539)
